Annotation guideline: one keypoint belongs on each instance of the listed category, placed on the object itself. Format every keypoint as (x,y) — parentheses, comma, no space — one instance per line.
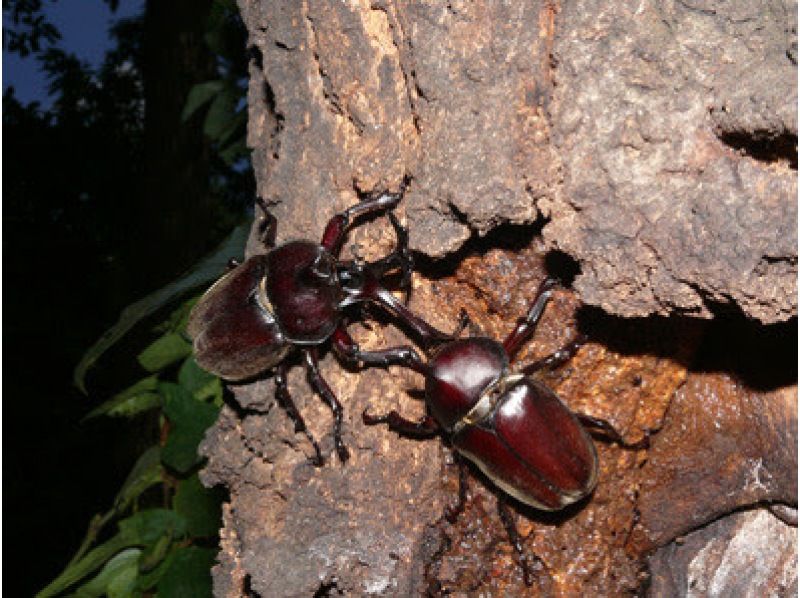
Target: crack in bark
(763,146)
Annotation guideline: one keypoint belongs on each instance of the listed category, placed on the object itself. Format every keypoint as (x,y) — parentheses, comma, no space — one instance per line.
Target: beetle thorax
(459,376)
(488,401)
(303,289)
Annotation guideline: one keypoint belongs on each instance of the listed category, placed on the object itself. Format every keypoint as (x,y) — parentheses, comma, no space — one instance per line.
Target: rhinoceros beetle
(511,426)
(294,297)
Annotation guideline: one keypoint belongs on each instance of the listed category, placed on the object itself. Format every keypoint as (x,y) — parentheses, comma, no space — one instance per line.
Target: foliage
(166,521)
(225,120)
(31,29)
(205,271)
(75,172)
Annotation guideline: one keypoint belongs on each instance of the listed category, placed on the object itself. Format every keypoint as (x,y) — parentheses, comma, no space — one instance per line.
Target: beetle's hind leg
(610,433)
(507,517)
(322,389)
(452,512)
(285,401)
(560,357)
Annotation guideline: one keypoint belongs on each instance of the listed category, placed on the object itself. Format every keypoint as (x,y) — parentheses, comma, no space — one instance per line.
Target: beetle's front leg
(526,326)
(427,427)
(322,389)
(348,349)
(399,258)
(337,226)
(560,357)
(268,227)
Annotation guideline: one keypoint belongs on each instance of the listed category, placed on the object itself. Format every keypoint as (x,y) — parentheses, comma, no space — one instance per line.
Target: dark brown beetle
(294,296)
(513,427)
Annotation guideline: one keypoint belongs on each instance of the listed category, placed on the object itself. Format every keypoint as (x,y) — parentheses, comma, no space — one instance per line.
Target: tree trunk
(649,157)
(177,155)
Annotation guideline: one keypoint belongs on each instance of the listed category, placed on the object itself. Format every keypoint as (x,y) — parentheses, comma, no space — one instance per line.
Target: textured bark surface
(654,154)
(677,126)
(711,561)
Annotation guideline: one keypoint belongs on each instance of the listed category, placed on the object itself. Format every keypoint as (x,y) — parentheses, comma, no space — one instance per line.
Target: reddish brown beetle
(294,296)
(513,427)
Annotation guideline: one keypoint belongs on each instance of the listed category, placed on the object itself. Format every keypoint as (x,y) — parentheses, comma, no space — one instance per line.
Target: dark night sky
(84,31)
(56,478)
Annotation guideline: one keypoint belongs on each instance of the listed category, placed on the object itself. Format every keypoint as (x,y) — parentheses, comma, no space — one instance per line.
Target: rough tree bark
(646,152)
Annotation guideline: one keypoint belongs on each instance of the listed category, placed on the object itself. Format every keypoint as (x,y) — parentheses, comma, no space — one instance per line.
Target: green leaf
(199,95)
(164,351)
(196,380)
(146,527)
(118,566)
(235,129)
(189,575)
(211,392)
(145,473)
(135,399)
(220,113)
(221,37)
(207,270)
(148,579)
(179,318)
(190,419)
(234,150)
(93,560)
(155,554)
(199,506)
(123,584)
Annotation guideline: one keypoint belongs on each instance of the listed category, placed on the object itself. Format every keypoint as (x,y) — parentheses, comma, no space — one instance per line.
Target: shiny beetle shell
(249,319)
(235,333)
(303,290)
(530,444)
(460,372)
(515,429)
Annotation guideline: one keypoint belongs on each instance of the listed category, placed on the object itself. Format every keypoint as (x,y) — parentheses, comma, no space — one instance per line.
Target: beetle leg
(513,535)
(527,326)
(403,255)
(337,226)
(452,512)
(268,227)
(560,357)
(464,321)
(427,427)
(399,258)
(611,433)
(321,387)
(348,350)
(427,334)
(285,401)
